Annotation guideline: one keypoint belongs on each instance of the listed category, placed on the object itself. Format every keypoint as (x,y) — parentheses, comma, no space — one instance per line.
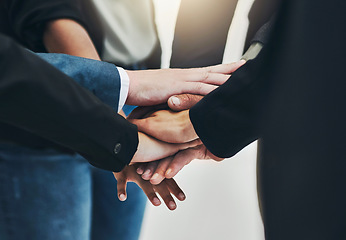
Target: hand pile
(168,141)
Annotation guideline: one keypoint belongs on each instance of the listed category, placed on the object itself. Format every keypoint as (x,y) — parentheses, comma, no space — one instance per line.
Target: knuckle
(206,75)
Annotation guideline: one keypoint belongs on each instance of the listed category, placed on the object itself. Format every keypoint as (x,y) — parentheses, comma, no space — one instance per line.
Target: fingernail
(122,197)
(156,175)
(139,170)
(168,172)
(147,172)
(181,196)
(172,205)
(156,201)
(242,61)
(175,101)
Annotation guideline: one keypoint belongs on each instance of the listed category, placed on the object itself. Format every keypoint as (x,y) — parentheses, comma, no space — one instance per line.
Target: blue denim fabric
(101,78)
(47,195)
(111,218)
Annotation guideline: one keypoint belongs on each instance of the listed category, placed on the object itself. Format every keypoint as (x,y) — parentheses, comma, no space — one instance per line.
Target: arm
(69,37)
(53,106)
(29,19)
(57,108)
(98,77)
(223,120)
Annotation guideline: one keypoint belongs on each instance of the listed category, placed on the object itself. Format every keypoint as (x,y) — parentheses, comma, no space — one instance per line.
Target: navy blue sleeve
(99,77)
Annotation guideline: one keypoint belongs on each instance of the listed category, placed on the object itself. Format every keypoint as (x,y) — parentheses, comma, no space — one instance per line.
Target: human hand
(167,126)
(150,149)
(167,168)
(165,189)
(183,101)
(152,87)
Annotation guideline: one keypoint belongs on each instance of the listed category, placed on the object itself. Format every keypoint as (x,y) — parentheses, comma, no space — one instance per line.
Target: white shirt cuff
(124,87)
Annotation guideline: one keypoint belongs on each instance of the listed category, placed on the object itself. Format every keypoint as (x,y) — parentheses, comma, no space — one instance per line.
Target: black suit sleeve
(226,120)
(28,17)
(38,98)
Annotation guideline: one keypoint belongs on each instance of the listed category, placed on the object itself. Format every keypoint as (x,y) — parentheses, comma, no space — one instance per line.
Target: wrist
(137,156)
(132,76)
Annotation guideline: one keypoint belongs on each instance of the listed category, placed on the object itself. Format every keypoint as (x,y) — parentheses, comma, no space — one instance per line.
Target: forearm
(57,108)
(69,37)
(28,18)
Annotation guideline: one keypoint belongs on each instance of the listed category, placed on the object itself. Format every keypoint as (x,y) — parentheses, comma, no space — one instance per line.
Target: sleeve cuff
(124,87)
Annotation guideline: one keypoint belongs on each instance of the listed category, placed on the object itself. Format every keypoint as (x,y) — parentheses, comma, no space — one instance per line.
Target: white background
(221,197)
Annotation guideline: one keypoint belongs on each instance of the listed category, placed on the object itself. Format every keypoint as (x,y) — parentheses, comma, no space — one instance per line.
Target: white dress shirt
(129,28)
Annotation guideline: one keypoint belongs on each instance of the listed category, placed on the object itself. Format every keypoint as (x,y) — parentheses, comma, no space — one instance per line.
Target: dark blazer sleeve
(293,90)
(227,119)
(36,97)
(28,17)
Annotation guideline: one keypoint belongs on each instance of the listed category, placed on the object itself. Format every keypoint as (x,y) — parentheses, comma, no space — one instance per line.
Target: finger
(163,190)
(175,189)
(159,174)
(149,192)
(141,168)
(183,101)
(181,159)
(121,186)
(147,189)
(206,76)
(226,68)
(149,170)
(215,78)
(198,88)
(142,124)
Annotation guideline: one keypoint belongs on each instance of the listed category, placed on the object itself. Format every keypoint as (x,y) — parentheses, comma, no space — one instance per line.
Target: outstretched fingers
(159,174)
(175,189)
(226,68)
(149,170)
(183,158)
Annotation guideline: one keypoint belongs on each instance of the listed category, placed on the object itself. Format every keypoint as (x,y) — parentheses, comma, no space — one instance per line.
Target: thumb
(142,125)
(183,101)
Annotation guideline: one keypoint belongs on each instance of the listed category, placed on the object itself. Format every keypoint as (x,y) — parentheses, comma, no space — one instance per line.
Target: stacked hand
(167,139)
(171,127)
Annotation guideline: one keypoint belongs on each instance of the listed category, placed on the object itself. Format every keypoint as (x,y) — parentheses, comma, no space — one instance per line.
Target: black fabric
(293,97)
(201,32)
(261,12)
(27,19)
(36,97)
(202,28)
(24,21)
(263,34)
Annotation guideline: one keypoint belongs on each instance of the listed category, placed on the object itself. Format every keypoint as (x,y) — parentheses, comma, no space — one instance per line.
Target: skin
(156,125)
(146,88)
(158,122)
(58,39)
(165,189)
(152,87)
(150,149)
